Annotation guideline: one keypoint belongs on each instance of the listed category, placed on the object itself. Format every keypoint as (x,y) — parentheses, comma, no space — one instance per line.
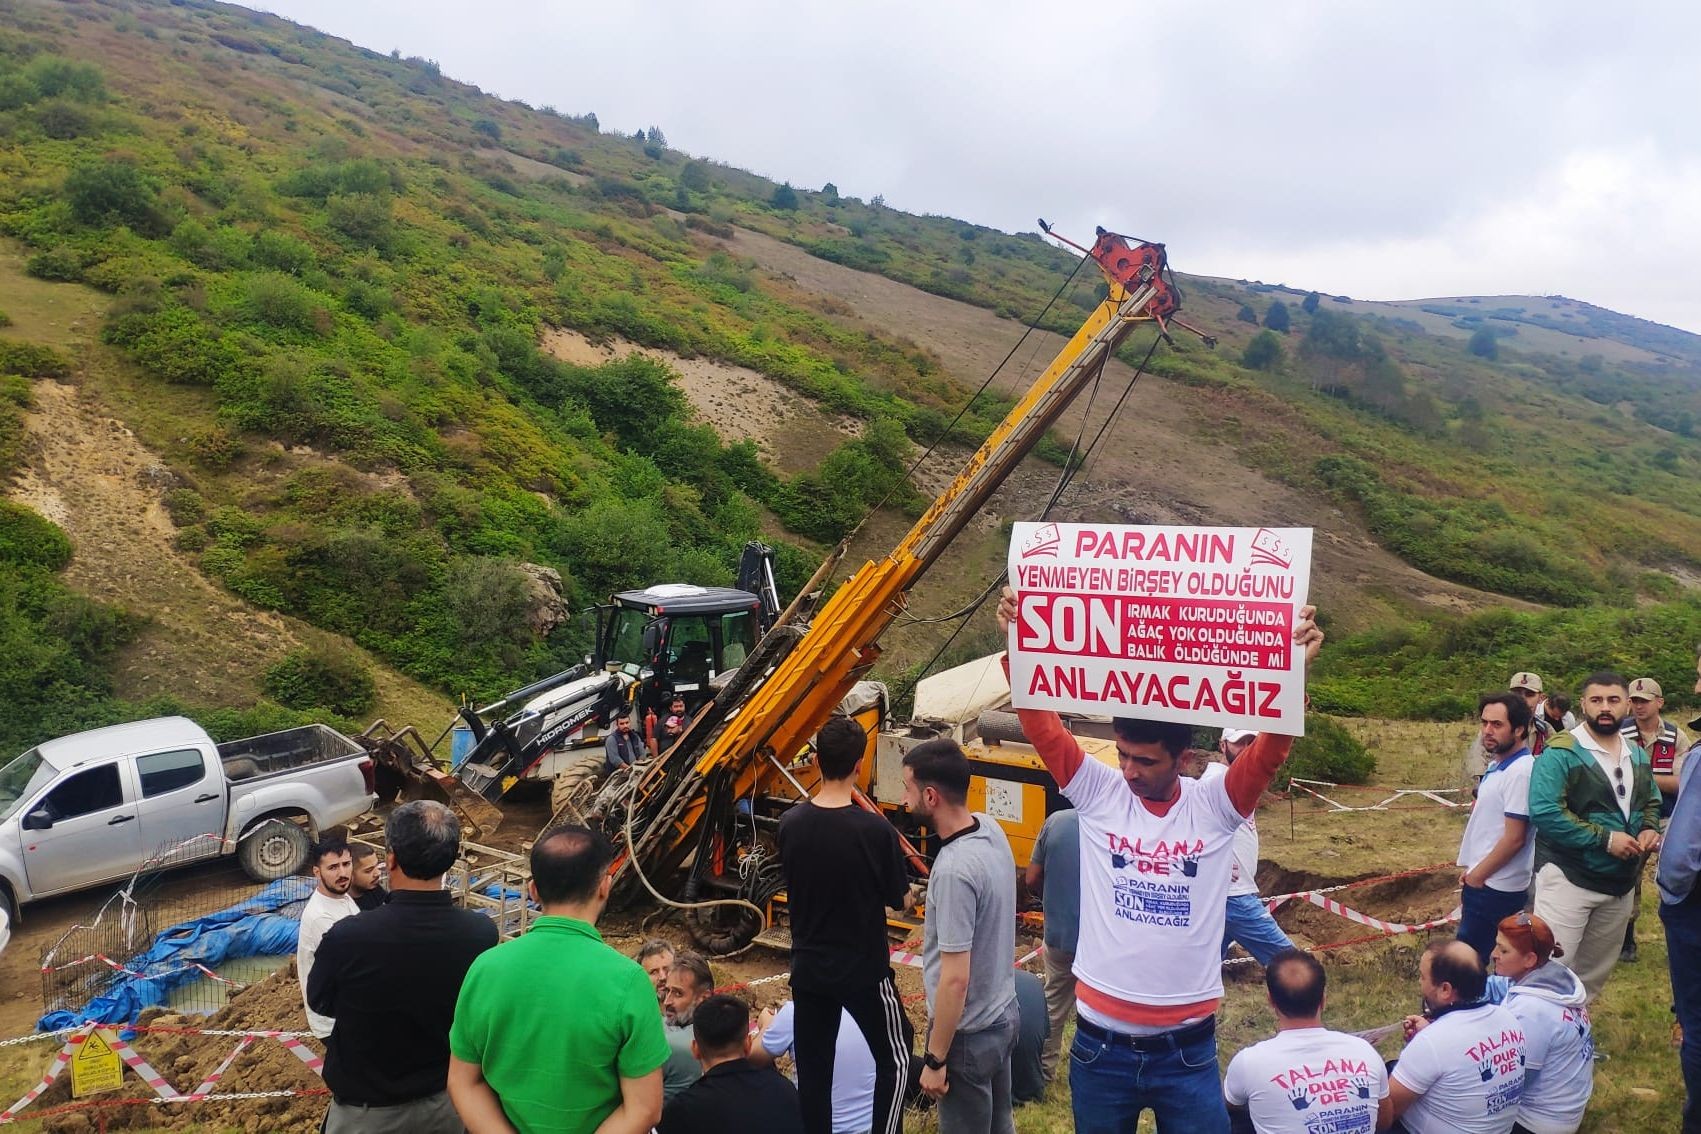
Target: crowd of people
(1148,879)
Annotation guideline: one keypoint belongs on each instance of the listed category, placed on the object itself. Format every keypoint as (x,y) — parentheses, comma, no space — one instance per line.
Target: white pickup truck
(91,808)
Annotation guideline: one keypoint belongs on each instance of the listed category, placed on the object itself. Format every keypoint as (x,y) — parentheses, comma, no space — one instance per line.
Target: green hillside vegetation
(331,269)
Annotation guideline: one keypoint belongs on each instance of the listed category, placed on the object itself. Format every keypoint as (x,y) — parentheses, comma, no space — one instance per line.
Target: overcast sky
(1377,150)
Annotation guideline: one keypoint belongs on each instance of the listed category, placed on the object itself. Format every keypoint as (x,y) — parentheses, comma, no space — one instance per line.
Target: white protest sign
(1167,623)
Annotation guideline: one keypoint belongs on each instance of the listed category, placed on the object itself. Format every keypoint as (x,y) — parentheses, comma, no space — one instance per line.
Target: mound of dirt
(1409,901)
(186,1060)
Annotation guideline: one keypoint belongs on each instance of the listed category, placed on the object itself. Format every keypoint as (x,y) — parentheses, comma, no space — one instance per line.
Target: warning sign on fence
(1168,623)
(96,1067)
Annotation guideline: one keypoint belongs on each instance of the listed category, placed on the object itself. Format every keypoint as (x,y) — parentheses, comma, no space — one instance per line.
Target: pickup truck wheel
(275,849)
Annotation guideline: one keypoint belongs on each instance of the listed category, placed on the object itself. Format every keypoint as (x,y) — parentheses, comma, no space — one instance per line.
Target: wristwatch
(931,1061)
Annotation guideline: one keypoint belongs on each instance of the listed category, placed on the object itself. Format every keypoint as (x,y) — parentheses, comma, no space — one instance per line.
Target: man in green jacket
(1596,812)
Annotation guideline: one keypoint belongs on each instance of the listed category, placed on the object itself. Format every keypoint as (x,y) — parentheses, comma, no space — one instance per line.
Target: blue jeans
(1683,954)
(1250,924)
(1481,910)
(1110,1083)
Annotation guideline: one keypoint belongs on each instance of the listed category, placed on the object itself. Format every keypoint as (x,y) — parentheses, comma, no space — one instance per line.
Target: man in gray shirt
(968,949)
(1054,874)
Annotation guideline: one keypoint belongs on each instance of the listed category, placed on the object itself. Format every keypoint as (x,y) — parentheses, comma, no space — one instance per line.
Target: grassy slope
(387,362)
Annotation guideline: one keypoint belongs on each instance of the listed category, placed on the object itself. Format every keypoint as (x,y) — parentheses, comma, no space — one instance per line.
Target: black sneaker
(1628,953)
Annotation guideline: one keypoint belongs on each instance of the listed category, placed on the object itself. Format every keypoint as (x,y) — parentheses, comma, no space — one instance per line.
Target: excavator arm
(740,746)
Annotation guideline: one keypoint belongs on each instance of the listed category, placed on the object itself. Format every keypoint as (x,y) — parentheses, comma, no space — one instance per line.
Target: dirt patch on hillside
(91,476)
(1151,468)
(741,404)
(88,473)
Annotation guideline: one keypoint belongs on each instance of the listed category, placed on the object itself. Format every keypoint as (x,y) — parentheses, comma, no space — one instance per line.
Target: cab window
(85,793)
(167,771)
(738,638)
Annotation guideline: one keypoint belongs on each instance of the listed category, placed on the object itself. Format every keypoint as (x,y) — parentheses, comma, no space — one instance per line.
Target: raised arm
(1249,777)
(1056,746)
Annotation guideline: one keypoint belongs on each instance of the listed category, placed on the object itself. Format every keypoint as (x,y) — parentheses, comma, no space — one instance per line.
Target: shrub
(27,538)
(111,192)
(363,218)
(16,91)
(1277,317)
(176,344)
(1247,315)
(314,679)
(33,360)
(783,197)
(1327,752)
(1484,344)
(283,252)
(279,301)
(60,264)
(215,249)
(62,120)
(1264,352)
(54,76)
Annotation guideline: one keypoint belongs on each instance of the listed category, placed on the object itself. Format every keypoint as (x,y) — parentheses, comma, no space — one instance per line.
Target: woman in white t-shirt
(1551,1003)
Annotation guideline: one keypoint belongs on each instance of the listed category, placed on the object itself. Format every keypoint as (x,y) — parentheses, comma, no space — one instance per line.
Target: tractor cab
(675,638)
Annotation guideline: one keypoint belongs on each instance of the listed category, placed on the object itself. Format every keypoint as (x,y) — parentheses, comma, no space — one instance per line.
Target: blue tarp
(254,928)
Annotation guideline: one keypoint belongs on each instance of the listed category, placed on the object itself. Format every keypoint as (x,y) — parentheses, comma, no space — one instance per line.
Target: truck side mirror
(41,819)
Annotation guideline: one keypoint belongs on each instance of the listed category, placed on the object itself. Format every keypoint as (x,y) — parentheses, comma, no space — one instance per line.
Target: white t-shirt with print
(1308,1080)
(318,915)
(1504,792)
(1153,888)
(1468,1069)
(1243,879)
(1559,1049)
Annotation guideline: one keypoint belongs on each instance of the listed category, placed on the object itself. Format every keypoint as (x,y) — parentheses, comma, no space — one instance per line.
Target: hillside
(377,348)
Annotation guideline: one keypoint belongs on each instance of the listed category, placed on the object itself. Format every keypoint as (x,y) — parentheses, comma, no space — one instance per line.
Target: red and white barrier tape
(60,1062)
(1388,927)
(1434,795)
(1272,902)
(192,966)
(164,1092)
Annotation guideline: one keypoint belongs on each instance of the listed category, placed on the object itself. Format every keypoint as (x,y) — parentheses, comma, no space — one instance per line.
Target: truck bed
(257,757)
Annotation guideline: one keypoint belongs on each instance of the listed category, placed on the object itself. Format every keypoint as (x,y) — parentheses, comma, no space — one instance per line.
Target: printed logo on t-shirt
(1335,1097)
(1497,1057)
(1579,1018)
(1154,885)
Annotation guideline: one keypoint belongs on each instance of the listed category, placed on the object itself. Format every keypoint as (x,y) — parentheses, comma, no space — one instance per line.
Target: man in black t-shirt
(844,867)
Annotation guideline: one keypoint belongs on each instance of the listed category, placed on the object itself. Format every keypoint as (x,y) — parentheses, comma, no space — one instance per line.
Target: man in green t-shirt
(555,1032)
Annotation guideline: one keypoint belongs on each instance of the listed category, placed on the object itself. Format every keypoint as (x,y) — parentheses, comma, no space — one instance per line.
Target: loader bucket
(406,770)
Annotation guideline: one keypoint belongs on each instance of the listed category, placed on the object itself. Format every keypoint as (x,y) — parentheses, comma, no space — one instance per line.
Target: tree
(1264,352)
(1309,304)
(1277,318)
(831,192)
(1483,343)
(784,197)
(1247,315)
(695,177)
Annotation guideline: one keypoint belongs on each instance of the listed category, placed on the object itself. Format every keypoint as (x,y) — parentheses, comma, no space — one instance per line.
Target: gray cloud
(1383,151)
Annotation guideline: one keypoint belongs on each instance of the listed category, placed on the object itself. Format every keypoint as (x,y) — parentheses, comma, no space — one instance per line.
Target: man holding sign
(1134,615)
